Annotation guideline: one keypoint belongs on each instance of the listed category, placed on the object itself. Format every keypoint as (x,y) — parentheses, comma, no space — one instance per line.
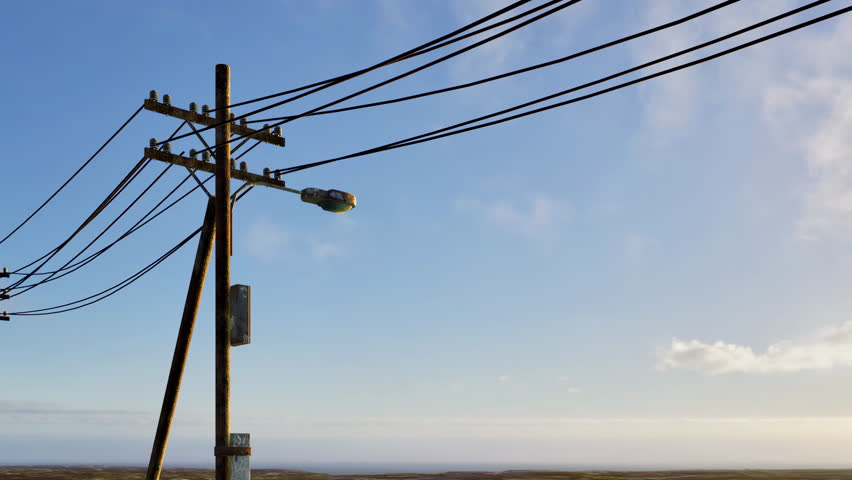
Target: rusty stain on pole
(187,324)
(223,269)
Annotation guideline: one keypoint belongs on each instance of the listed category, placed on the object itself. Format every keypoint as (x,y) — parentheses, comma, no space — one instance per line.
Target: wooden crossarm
(207,121)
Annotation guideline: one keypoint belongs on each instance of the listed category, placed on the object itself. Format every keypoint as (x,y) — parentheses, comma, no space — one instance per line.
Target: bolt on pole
(223,270)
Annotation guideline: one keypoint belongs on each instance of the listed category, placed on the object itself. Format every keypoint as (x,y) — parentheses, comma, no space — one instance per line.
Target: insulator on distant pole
(233,164)
(205,110)
(167,147)
(244,121)
(153,95)
(232,117)
(205,156)
(266,171)
(277,131)
(244,166)
(167,99)
(152,143)
(265,127)
(277,175)
(193,154)
(193,107)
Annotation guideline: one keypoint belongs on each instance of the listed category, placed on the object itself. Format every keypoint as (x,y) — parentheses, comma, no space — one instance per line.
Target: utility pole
(187,324)
(223,271)
(231,450)
(217,224)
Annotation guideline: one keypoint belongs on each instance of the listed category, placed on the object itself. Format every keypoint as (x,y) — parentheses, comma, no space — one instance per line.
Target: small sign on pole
(240,464)
(240,315)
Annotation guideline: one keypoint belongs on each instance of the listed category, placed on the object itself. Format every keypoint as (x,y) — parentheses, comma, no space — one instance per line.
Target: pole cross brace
(207,121)
(252,178)
(232,451)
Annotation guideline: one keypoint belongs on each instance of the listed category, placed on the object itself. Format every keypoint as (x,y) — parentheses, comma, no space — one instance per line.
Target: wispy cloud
(828,348)
(537,214)
(796,93)
(567,381)
(265,239)
(323,251)
(24,412)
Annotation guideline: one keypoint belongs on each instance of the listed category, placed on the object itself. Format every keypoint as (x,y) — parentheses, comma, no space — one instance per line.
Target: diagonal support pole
(187,323)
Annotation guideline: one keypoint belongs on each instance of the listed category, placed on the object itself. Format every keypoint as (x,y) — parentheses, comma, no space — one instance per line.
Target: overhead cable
(519,71)
(436,134)
(80,169)
(567,3)
(419,50)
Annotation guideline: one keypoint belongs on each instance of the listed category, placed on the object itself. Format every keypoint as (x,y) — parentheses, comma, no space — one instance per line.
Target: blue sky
(655,276)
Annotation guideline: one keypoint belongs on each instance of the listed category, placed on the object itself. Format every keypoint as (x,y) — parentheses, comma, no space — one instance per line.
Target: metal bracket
(232,451)
(199,182)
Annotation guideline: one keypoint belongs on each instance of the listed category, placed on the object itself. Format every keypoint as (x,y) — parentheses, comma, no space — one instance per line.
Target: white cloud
(795,91)
(637,246)
(265,239)
(829,348)
(323,251)
(539,214)
(569,388)
(492,57)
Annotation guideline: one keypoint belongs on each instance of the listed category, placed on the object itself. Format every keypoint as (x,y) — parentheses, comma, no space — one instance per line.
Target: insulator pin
(167,99)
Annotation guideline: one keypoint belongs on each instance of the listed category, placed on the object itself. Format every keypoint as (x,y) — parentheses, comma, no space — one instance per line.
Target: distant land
(60,472)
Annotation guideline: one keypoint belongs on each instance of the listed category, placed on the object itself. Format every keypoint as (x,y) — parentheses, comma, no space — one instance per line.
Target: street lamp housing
(329,200)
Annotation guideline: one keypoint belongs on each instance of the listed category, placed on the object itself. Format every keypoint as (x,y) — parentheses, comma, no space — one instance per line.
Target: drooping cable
(519,71)
(92,242)
(80,169)
(419,50)
(115,192)
(113,289)
(436,134)
(135,227)
(567,3)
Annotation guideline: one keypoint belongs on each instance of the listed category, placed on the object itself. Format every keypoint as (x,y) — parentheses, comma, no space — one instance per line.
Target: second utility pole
(223,271)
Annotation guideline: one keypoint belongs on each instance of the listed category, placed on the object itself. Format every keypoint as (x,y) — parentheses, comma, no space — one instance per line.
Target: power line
(138,225)
(113,289)
(402,56)
(115,192)
(85,164)
(567,3)
(97,237)
(435,134)
(519,71)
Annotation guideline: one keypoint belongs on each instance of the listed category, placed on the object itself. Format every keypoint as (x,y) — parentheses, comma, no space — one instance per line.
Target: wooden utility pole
(223,271)
(187,324)
(217,219)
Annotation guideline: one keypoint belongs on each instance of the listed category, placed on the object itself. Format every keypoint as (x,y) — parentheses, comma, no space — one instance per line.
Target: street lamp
(329,200)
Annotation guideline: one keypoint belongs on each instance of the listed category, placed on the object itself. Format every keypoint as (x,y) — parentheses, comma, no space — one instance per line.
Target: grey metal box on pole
(240,315)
